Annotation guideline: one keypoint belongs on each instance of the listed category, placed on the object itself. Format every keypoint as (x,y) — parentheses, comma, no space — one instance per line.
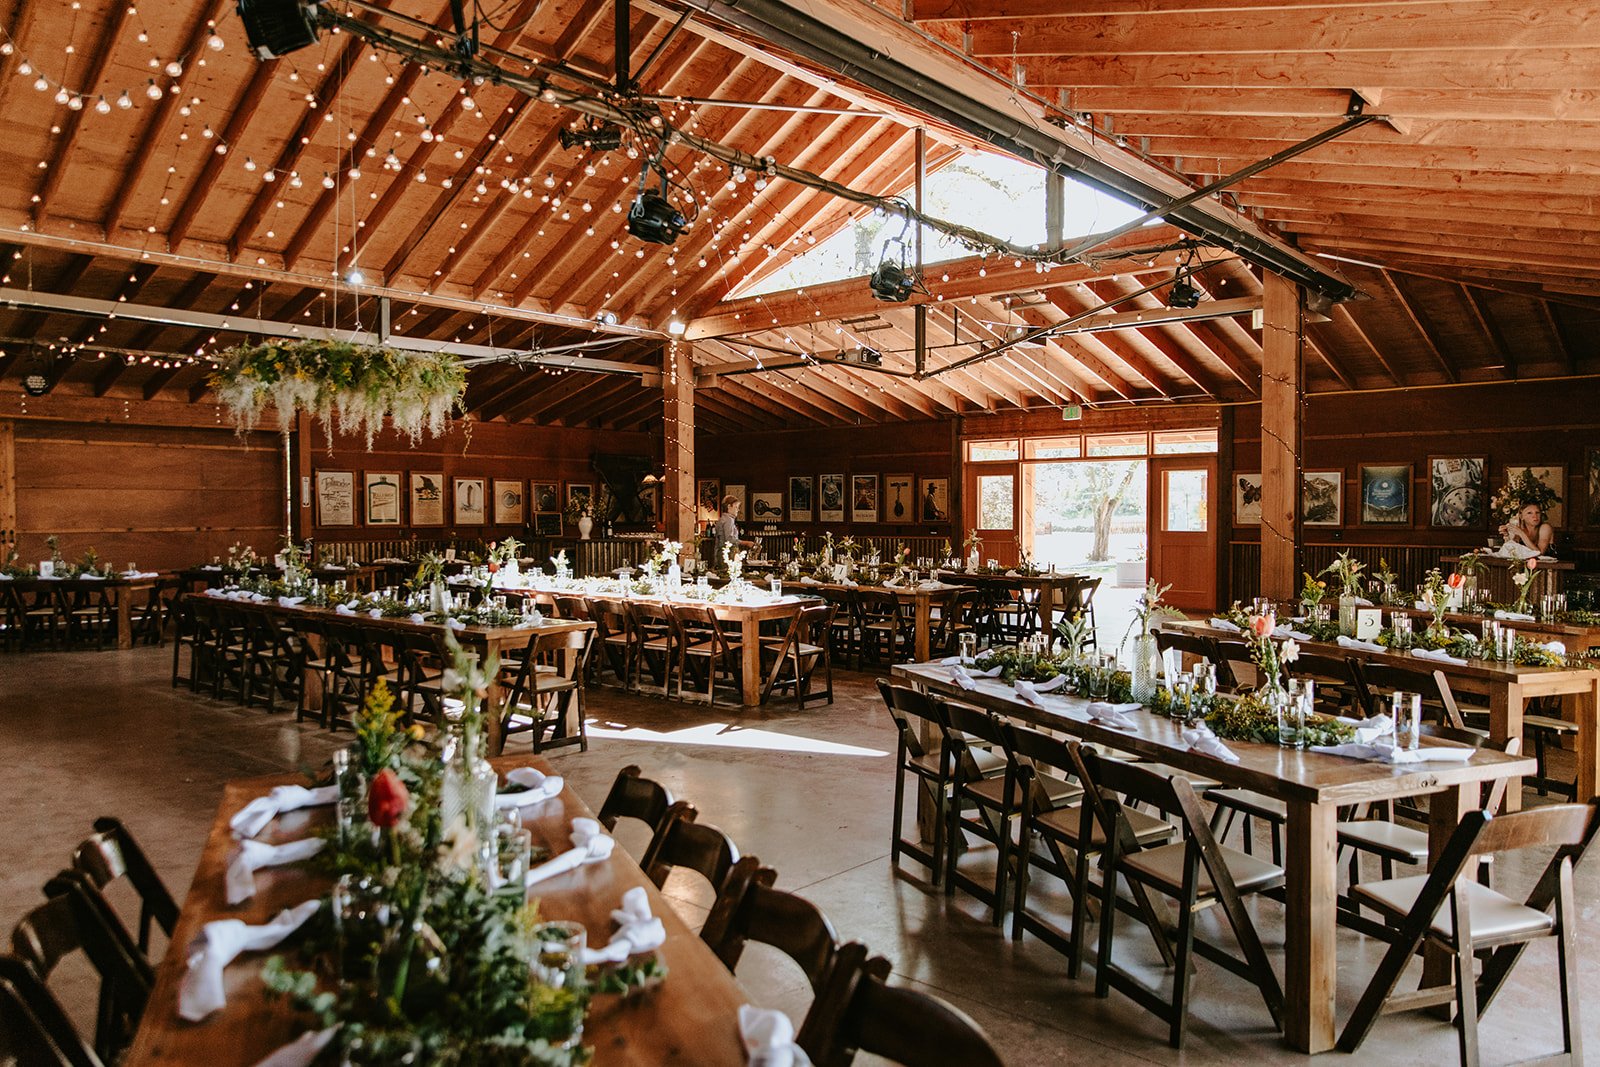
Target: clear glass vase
(1347,614)
(1146,668)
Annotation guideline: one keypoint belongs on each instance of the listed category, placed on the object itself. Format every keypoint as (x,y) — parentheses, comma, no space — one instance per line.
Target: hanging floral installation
(358,384)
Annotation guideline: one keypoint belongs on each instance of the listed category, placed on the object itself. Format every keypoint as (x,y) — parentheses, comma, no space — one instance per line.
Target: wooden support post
(1282,403)
(302,492)
(8,486)
(677,437)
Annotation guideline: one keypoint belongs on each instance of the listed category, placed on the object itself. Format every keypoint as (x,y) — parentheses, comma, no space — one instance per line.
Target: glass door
(1183,537)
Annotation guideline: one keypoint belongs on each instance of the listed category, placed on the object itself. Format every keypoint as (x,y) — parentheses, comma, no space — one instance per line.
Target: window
(1054,447)
(996,501)
(1118,444)
(1176,442)
(1185,501)
(979,451)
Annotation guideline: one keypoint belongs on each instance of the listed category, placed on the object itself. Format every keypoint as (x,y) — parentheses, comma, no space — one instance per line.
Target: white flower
(1521,577)
(1291,651)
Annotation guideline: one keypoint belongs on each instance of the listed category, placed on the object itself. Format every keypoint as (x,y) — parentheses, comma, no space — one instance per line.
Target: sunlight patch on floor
(725,735)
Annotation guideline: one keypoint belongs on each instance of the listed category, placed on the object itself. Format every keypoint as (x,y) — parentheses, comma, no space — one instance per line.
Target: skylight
(990,192)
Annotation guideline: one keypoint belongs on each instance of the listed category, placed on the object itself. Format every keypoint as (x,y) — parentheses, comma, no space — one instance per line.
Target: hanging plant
(358,384)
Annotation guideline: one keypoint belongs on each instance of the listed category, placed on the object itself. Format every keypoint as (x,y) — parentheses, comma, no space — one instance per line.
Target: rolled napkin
(455,624)
(1282,632)
(219,944)
(637,931)
(302,1051)
(1032,691)
(1436,654)
(1200,739)
(212,567)
(850,583)
(808,580)
(1363,602)
(537,787)
(249,856)
(92,577)
(1223,624)
(291,601)
(891,583)
(1513,616)
(1367,646)
(959,675)
(1013,574)
(416,616)
(1377,728)
(1115,715)
(1558,647)
(343,609)
(376,613)
(589,845)
(769,1038)
(254,816)
(1388,753)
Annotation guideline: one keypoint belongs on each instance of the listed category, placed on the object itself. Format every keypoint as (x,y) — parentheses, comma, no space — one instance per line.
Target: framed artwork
(427,499)
(472,505)
(1386,495)
(899,498)
(508,501)
(1321,498)
(336,498)
(934,501)
(1458,491)
(766,507)
(831,488)
(863,498)
(1247,499)
(547,524)
(708,495)
(650,501)
(381,498)
(801,505)
(580,492)
(1594,486)
(1553,478)
(738,492)
(546,498)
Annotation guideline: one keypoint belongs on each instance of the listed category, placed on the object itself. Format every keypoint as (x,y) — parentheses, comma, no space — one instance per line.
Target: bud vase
(1347,615)
(1146,667)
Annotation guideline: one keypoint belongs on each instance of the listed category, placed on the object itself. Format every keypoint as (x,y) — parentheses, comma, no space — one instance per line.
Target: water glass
(1182,707)
(1205,679)
(1401,623)
(776,584)
(1507,648)
(1291,711)
(968,644)
(1406,711)
(513,852)
(558,956)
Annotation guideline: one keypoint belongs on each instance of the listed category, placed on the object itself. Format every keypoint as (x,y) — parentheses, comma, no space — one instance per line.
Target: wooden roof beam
(239,115)
(1341,313)
(1478,308)
(1029,366)
(527,400)
(100,58)
(780,401)
(1567,352)
(1118,346)
(1157,337)
(1424,328)
(577,408)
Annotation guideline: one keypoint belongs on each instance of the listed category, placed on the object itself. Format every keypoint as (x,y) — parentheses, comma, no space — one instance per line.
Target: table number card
(1369,623)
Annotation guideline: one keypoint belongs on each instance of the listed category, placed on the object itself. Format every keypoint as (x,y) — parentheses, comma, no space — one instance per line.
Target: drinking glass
(133,568)
(776,584)
(1290,710)
(558,960)
(1508,644)
(1205,679)
(513,851)
(968,643)
(1182,708)
(1402,631)
(1406,711)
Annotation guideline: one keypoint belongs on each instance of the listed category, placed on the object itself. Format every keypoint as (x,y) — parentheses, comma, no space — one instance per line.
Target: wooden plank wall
(162,497)
(1520,423)
(487,450)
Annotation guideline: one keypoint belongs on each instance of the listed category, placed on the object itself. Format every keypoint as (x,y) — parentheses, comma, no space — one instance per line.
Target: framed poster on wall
(934,501)
(1247,499)
(800,498)
(508,502)
(708,492)
(738,493)
(427,498)
(1458,491)
(1593,482)
(382,495)
(471,505)
(766,507)
(1322,498)
(546,498)
(899,498)
(1386,494)
(831,498)
(863,498)
(336,498)
(582,495)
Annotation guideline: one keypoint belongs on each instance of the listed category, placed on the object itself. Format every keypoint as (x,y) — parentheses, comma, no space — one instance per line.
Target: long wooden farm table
(1313,786)
(690,1019)
(1508,687)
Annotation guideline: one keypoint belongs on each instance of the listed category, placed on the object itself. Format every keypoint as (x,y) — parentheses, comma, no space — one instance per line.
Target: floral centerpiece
(1074,632)
(973,546)
(1520,491)
(1248,718)
(562,565)
(1437,594)
(1147,611)
(1346,570)
(359,384)
(504,555)
(1268,654)
(241,560)
(1311,592)
(1525,579)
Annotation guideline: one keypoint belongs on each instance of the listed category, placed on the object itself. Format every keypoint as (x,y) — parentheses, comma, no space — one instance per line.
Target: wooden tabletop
(724,610)
(691,1018)
(901,592)
(404,623)
(34,584)
(1002,578)
(1474,623)
(1287,774)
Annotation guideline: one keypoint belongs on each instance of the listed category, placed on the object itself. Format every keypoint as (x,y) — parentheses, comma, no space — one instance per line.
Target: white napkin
(540,787)
(92,577)
(250,856)
(291,601)
(1369,646)
(590,845)
(1113,714)
(254,816)
(637,930)
(1033,692)
(808,580)
(1200,739)
(1374,729)
(769,1038)
(1388,753)
(455,624)
(416,616)
(1223,624)
(959,675)
(219,944)
(1013,574)
(1282,632)
(211,567)
(343,609)
(302,1051)
(1558,647)
(1513,616)
(1436,654)
(1363,602)
(891,583)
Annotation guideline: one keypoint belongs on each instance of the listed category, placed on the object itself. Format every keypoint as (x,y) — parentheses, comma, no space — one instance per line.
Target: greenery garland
(359,384)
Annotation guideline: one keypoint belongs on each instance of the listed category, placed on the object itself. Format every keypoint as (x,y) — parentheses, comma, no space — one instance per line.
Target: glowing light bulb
(75,103)
(174,69)
(61,94)
(216,43)
(327,180)
(125,101)
(103,106)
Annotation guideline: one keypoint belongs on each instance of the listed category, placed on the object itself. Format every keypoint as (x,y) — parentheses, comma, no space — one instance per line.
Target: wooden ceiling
(1469,222)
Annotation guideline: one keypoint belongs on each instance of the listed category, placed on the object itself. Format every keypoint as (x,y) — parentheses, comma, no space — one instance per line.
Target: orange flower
(1262,625)
(1532,562)
(387,800)
(1455,581)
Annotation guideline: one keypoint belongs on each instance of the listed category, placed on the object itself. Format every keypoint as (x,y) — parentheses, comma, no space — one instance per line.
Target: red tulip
(1455,581)
(387,800)
(1532,562)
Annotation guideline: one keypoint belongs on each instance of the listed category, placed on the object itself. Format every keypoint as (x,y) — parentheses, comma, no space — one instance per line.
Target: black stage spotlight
(1182,294)
(891,281)
(652,217)
(595,137)
(277,27)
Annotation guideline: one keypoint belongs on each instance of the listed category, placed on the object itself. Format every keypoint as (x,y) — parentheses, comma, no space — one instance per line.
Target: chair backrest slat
(633,796)
(682,842)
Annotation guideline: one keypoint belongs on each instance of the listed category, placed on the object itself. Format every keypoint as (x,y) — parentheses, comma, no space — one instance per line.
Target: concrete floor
(102,733)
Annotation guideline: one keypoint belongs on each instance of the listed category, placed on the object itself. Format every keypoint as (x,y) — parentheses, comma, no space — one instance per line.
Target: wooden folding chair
(856,1011)
(749,909)
(1196,873)
(112,853)
(683,842)
(1451,911)
(800,654)
(634,796)
(547,692)
(34,1028)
